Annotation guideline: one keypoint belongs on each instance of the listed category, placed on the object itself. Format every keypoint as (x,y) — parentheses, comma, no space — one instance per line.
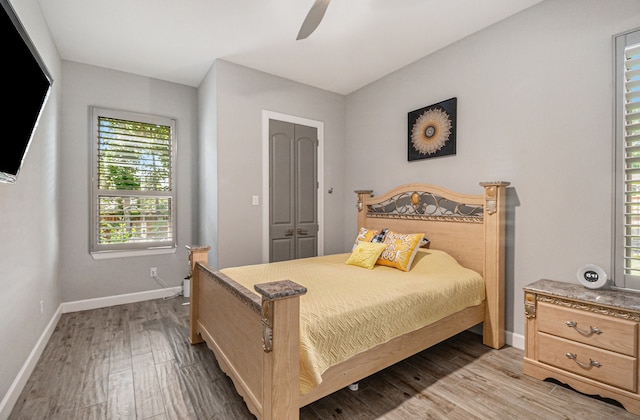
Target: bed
(277,344)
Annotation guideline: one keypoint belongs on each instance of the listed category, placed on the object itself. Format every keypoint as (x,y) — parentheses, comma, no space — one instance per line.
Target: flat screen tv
(27,88)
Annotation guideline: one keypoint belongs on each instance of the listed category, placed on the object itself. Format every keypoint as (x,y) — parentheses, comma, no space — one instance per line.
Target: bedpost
(494,255)
(362,211)
(280,313)
(197,254)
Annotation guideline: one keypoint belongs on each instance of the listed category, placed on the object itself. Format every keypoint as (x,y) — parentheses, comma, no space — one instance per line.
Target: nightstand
(585,338)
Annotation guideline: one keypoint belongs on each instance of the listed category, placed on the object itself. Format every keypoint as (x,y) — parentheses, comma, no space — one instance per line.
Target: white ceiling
(358,41)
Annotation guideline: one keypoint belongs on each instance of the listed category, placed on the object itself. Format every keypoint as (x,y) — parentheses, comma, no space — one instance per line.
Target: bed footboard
(255,338)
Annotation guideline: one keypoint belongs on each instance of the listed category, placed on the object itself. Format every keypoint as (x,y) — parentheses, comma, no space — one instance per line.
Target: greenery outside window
(627,161)
(133,182)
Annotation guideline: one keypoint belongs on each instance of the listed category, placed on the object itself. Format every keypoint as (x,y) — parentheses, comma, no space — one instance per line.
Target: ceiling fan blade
(313,18)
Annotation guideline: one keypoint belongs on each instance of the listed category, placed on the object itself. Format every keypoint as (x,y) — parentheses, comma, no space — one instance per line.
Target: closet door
(293,186)
(306,191)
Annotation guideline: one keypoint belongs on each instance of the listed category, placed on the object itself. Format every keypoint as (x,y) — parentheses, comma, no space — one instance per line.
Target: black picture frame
(432,130)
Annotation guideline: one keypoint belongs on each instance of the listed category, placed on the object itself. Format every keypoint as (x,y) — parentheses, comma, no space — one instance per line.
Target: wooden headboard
(471,228)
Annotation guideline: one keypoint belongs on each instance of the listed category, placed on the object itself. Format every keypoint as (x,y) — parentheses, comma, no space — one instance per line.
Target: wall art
(432,130)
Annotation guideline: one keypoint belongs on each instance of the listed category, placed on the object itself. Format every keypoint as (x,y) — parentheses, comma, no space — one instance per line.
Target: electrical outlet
(153,272)
(41,307)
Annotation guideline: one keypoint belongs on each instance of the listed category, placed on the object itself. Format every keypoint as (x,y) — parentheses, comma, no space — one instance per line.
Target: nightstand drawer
(594,363)
(607,332)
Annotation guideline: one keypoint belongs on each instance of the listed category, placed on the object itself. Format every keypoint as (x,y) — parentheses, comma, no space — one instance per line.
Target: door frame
(319,125)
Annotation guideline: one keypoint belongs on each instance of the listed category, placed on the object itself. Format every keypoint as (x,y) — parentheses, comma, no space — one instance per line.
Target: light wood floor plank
(204,400)
(96,376)
(412,393)
(36,408)
(148,395)
(121,402)
(160,342)
(134,361)
(139,337)
(120,344)
(176,401)
(101,321)
(93,412)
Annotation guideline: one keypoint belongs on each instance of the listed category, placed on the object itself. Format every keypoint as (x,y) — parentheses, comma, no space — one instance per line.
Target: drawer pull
(591,363)
(592,330)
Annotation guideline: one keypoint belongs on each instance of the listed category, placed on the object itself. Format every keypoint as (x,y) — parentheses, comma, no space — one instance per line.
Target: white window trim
(137,250)
(105,255)
(621,280)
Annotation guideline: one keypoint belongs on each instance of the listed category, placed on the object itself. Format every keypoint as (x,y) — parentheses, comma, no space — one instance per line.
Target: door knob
(302,231)
(289,232)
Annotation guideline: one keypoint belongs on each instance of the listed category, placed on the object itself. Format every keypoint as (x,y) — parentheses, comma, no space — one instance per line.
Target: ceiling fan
(313,18)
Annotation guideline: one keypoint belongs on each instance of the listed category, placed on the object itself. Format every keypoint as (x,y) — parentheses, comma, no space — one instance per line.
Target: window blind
(134,191)
(631,134)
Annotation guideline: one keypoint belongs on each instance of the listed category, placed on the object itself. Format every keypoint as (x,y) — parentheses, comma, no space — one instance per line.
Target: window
(627,161)
(134,195)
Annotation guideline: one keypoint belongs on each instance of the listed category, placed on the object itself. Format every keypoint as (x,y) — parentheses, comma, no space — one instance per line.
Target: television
(27,87)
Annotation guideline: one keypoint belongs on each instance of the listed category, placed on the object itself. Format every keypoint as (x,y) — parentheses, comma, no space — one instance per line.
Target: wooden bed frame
(255,337)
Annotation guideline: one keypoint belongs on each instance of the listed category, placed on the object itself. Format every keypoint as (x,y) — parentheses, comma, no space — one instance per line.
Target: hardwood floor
(134,361)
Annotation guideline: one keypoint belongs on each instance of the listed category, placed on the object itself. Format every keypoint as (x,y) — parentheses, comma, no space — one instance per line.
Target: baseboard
(515,340)
(13,393)
(510,338)
(86,304)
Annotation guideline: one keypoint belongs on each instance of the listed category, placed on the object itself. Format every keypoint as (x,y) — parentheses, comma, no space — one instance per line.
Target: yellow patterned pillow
(365,254)
(400,250)
(369,235)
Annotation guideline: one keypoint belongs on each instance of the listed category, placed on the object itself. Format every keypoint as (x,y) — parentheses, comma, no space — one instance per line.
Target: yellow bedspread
(349,309)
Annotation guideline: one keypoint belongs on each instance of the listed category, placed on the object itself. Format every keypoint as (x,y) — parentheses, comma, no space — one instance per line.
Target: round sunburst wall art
(431,131)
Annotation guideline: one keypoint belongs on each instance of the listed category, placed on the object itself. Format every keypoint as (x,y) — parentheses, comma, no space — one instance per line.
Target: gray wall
(29,233)
(82,277)
(534,108)
(231,132)
(208,164)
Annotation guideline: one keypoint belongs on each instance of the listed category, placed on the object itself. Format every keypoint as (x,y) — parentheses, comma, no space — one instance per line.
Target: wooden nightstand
(585,338)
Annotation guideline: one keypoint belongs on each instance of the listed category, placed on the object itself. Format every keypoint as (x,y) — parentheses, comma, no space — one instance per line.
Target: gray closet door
(293,184)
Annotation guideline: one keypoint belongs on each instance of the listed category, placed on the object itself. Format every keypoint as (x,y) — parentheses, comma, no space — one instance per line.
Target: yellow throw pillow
(400,250)
(365,254)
